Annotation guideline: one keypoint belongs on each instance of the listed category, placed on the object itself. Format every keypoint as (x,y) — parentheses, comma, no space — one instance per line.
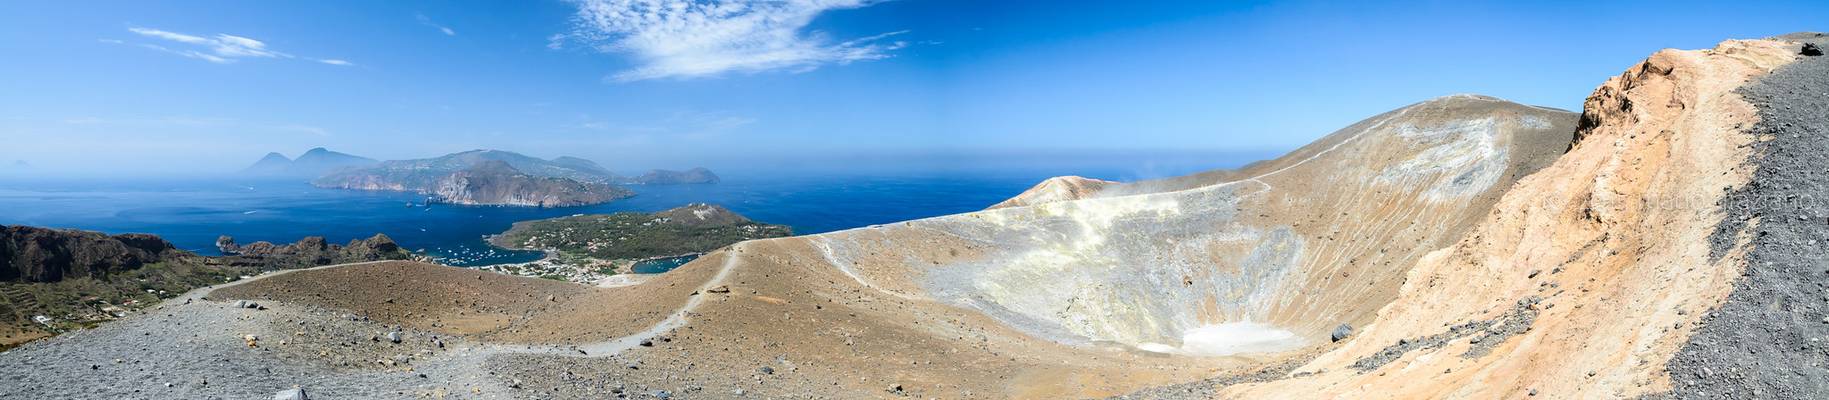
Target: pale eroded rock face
(1613,238)
(494,182)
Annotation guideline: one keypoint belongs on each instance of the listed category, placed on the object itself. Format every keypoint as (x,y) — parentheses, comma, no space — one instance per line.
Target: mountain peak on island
(702,214)
(581,164)
(271,164)
(494,167)
(312,163)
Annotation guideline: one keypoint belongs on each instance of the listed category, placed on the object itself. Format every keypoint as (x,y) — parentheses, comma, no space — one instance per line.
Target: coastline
(555,265)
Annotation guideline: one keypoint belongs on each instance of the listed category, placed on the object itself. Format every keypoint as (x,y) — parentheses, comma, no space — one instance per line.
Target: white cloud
(427,21)
(691,39)
(175,37)
(221,48)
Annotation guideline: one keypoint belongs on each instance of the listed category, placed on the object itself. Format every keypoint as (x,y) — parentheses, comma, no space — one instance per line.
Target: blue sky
(212,85)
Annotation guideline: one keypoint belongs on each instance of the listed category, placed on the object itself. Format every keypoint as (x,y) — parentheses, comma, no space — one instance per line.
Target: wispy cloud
(692,39)
(427,21)
(220,48)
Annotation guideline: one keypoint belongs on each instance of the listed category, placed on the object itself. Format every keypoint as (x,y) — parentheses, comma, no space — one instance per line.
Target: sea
(193,213)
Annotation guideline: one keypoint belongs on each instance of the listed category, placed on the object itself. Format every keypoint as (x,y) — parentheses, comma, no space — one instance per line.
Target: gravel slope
(1767,340)
(199,351)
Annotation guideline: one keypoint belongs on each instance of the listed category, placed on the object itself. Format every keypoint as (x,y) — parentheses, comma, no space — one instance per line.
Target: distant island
(666,177)
(611,243)
(314,163)
(17,167)
(495,177)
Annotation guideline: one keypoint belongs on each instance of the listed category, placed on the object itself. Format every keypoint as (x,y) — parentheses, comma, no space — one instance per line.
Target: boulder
(295,393)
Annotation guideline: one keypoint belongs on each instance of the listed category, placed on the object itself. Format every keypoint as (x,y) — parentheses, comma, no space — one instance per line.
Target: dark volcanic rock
(29,254)
(311,251)
(1764,341)
(55,280)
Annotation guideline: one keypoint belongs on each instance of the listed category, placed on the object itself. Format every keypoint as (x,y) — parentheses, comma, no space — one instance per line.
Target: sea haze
(191,213)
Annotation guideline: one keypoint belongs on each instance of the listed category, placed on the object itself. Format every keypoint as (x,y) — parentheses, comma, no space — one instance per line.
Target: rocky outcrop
(496,183)
(56,280)
(1060,188)
(311,251)
(32,254)
(29,254)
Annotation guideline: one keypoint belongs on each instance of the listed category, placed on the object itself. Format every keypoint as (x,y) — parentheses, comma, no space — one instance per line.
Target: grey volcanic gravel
(1209,388)
(1770,338)
(199,351)
(1491,332)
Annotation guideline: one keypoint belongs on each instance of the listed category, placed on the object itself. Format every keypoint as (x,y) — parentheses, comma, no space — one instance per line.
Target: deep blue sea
(191,213)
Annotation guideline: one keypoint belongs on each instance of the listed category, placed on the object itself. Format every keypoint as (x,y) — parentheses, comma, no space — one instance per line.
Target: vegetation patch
(692,229)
